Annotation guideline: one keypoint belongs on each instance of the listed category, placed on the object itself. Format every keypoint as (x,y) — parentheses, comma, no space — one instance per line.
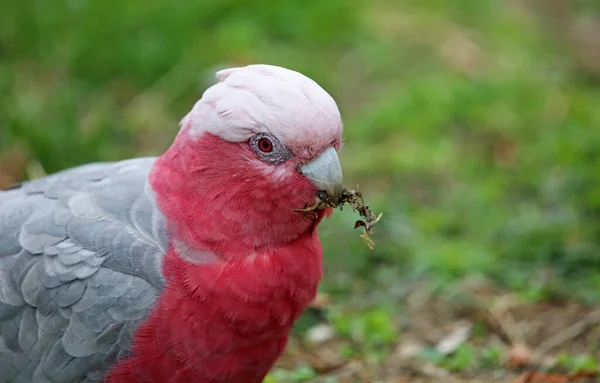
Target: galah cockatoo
(188,267)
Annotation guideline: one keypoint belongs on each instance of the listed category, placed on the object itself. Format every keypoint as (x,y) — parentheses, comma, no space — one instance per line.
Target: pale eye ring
(269,149)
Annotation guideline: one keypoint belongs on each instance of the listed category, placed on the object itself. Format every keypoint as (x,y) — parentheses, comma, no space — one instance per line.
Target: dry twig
(355,200)
(569,333)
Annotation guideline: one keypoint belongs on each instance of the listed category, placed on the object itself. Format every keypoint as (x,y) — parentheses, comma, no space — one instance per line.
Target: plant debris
(545,377)
(355,200)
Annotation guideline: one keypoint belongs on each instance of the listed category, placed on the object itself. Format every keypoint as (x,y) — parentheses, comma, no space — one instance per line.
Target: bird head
(260,143)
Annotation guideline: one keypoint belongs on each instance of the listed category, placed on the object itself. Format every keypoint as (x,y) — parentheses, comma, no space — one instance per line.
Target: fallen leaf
(456,338)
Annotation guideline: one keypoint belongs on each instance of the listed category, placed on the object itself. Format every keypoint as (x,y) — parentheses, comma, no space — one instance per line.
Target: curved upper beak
(325,172)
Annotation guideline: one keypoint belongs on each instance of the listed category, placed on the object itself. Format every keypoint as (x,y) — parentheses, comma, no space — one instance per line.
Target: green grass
(471,125)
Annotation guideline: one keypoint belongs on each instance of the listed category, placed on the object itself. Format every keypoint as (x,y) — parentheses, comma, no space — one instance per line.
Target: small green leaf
(491,356)
(461,359)
(584,362)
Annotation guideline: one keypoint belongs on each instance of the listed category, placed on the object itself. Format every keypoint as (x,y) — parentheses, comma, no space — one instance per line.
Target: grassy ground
(474,126)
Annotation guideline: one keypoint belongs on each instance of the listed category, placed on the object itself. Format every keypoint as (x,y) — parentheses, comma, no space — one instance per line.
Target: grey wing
(80,260)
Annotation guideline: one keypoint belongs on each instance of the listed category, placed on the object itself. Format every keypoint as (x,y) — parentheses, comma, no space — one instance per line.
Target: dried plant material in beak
(355,200)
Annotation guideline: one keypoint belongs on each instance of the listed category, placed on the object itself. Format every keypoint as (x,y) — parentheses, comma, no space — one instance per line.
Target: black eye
(268,148)
(265,145)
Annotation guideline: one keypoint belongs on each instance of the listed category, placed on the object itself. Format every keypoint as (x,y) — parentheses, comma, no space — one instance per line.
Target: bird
(190,266)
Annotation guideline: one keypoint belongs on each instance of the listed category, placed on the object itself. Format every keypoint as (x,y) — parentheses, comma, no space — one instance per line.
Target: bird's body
(189,267)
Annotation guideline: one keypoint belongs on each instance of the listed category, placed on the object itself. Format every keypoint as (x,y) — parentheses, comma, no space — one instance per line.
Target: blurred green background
(474,126)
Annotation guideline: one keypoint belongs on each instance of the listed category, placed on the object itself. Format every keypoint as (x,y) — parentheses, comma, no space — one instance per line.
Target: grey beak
(325,172)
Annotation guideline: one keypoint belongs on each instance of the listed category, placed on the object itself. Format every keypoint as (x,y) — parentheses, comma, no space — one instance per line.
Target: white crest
(265,98)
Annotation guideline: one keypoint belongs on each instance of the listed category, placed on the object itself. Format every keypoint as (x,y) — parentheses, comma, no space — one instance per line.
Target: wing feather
(80,259)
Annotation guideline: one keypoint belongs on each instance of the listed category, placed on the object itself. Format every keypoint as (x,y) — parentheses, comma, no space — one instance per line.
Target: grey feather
(80,268)
(27,339)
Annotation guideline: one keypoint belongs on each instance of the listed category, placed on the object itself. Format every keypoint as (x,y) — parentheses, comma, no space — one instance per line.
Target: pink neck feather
(228,317)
